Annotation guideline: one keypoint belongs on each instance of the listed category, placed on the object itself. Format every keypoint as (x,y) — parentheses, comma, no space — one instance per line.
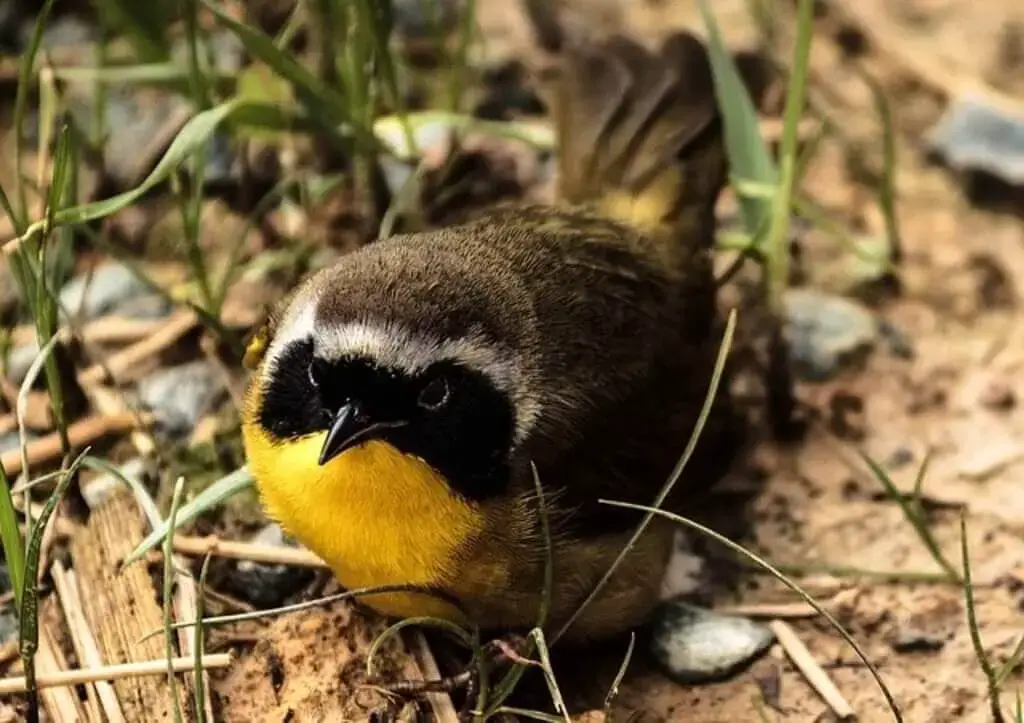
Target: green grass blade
(222,489)
(887,187)
(169,74)
(58,183)
(1011,663)
(168,590)
(749,158)
(197,74)
(974,628)
(537,635)
(10,535)
(371,655)
(530,714)
(322,101)
(193,137)
(912,511)
(142,496)
(778,233)
(8,209)
(143,23)
(620,674)
(459,65)
(21,97)
(28,609)
(305,605)
(200,640)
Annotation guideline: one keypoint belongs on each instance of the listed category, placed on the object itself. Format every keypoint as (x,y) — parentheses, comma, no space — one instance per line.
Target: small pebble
(684,573)
(91,295)
(826,332)
(426,135)
(973,135)
(896,339)
(62,31)
(899,458)
(224,47)
(8,619)
(8,289)
(180,396)
(424,18)
(141,124)
(19,360)
(920,633)
(100,489)
(11,441)
(910,640)
(269,585)
(149,306)
(694,645)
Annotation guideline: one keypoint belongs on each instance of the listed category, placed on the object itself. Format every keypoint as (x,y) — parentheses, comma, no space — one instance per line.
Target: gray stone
(8,289)
(826,332)
(425,18)
(149,306)
(180,396)
(973,135)
(101,488)
(11,440)
(694,645)
(268,585)
(19,360)
(8,618)
(91,295)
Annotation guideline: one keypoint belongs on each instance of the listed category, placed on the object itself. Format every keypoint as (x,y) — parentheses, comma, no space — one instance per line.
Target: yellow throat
(376,516)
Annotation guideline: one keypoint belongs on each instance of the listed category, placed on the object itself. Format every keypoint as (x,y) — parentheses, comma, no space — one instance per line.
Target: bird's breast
(376,516)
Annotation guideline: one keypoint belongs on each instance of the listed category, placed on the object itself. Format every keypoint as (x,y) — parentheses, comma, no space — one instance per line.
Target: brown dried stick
(440,703)
(106,330)
(121,364)
(120,605)
(61,705)
(80,433)
(82,639)
(199,546)
(113,672)
(186,608)
(813,672)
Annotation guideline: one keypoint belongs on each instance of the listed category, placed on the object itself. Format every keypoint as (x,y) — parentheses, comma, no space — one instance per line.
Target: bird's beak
(348,428)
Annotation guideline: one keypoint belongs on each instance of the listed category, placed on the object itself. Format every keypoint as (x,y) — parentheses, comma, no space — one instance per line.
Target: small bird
(401,399)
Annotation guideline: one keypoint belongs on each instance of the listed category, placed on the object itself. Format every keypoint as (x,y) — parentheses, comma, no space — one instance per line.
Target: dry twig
(83,432)
(106,330)
(125,362)
(268,554)
(113,672)
(813,672)
(83,641)
(60,704)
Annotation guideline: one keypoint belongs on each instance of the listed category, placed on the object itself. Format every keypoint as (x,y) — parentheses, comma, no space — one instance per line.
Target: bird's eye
(435,394)
(317,372)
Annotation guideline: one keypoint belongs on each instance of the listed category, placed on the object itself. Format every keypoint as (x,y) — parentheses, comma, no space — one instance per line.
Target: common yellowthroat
(400,396)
